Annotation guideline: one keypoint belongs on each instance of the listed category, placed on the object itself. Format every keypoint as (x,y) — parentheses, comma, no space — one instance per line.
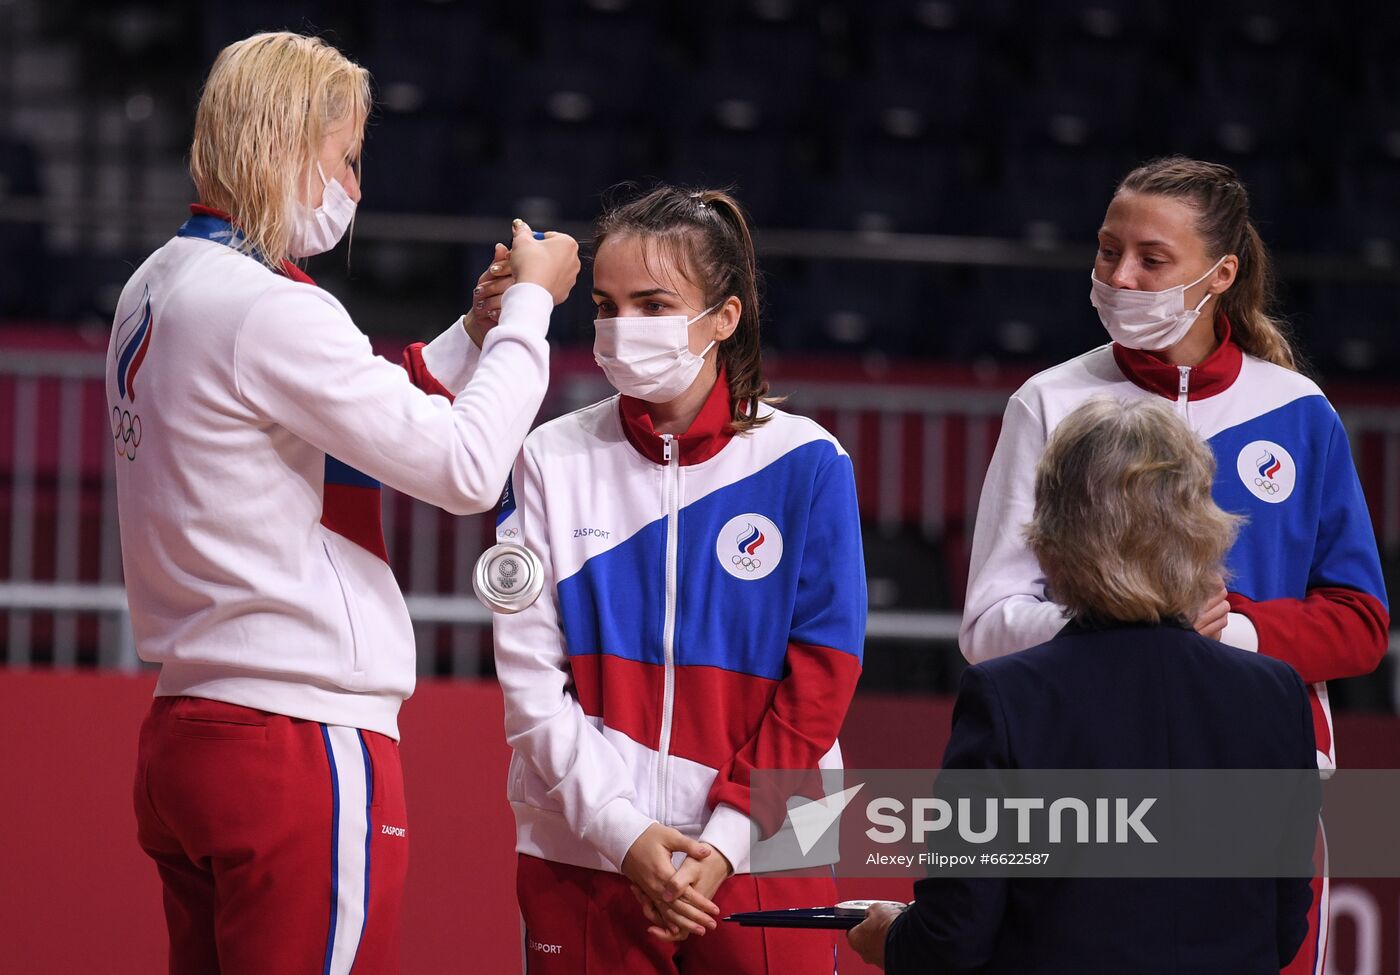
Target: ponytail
(741,353)
(1247,302)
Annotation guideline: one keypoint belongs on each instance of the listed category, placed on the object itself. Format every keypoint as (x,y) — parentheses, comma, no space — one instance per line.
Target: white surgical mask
(319,230)
(649,357)
(1151,320)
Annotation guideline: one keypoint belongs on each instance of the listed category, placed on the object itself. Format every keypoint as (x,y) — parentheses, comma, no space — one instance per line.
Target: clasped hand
(552,263)
(675,900)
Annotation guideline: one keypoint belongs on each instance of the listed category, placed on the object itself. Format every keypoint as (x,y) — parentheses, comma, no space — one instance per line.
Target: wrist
(473,328)
(714,871)
(727,833)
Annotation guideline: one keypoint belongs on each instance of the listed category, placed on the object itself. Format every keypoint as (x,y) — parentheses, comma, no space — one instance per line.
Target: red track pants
(282,844)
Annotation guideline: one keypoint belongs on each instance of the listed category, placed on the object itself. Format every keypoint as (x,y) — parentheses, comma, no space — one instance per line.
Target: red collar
(288,270)
(1215,374)
(706,436)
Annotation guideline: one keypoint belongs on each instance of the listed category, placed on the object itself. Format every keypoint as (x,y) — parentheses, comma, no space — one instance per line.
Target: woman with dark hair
(1182,284)
(703,615)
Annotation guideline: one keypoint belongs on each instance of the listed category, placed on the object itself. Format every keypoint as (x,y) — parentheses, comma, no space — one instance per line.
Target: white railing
(61,584)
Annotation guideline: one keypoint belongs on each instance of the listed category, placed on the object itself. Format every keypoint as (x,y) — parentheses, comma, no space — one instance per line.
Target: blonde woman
(1131,544)
(254,426)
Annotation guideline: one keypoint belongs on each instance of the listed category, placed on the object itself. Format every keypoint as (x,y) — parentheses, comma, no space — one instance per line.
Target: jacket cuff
(728,831)
(526,308)
(451,358)
(615,828)
(1240,632)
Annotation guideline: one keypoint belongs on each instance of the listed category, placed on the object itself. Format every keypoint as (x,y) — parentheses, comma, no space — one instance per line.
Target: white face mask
(319,230)
(1151,320)
(649,358)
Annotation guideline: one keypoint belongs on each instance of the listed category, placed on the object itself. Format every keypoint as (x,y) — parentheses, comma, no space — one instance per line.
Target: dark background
(1005,121)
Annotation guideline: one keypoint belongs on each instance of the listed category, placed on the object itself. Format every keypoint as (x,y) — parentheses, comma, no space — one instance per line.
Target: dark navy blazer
(1124,697)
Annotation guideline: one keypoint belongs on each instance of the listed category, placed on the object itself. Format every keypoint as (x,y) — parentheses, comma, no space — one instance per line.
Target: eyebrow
(1139,243)
(649,293)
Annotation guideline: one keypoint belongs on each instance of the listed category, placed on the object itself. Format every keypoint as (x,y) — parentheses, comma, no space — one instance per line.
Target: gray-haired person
(1132,544)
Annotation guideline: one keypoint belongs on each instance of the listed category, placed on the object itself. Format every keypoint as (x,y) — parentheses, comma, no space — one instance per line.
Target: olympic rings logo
(509,532)
(126,432)
(1269,487)
(745,562)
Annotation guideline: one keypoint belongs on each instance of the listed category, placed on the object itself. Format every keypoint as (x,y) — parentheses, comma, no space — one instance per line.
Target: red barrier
(77,894)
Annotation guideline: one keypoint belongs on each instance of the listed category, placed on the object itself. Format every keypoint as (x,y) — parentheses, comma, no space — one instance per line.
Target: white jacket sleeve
(301,363)
(452,357)
(544,722)
(1007,609)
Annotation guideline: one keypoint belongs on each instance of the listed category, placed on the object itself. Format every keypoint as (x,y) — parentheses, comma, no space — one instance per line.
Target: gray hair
(1125,528)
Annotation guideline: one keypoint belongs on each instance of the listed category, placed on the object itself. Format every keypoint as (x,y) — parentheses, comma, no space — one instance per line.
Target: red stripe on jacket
(354,513)
(1331,633)
(716,710)
(626,692)
(728,721)
(800,725)
(722,711)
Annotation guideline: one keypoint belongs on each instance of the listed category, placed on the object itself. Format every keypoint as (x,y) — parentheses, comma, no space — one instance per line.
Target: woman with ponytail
(1183,285)
(703,616)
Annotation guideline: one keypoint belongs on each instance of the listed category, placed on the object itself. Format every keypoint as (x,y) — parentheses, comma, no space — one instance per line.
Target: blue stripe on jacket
(616,602)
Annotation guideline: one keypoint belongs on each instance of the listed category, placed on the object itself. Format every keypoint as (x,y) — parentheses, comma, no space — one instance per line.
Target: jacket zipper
(1183,389)
(668,634)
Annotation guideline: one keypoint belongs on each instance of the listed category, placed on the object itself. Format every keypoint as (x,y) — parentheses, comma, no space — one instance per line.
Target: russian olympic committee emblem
(749,546)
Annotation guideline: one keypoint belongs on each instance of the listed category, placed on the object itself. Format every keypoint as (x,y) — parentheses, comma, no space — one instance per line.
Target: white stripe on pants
(350,845)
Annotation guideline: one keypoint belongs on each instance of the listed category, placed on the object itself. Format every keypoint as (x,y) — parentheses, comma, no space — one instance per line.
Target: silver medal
(508,578)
